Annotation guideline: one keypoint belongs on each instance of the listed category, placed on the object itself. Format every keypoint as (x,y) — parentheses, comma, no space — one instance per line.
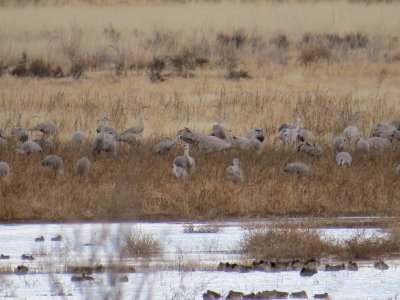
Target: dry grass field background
(331,63)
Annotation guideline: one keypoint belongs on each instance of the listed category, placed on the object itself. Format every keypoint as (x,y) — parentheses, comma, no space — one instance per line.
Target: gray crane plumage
(352,133)
(46,128)
(77,139)
(180,173)
(104,142)
(82,166)
(212,143)
(4,171)
(189,136)
(129,138)
(311,149)
(363,146)
(379,143)
(339,143)
(298,168)
(164,146)
(21,133)
(137,129)
(344,159)
(234,173)
(44,144)
(29,147)
(383,130)
(247,144)
(185,161)
(257,133)
(398,170)
(54,162)
(3,134)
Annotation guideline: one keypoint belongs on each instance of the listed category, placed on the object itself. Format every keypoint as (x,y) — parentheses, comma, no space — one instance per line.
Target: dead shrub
(155,68)
(356,40)
(77,69)
(280,41)
(184,62)
(314,52)
(58,72)
(284,243)
(234,74)
(38,68)
(237,39)
(139,244)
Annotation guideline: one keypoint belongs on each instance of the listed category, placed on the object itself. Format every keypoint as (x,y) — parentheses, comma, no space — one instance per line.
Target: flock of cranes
(291,136)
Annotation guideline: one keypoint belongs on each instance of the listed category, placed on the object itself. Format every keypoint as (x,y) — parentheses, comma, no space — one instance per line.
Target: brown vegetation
(304,243)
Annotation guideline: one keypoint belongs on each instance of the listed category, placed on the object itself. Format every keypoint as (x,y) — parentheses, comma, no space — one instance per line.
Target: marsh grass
(292,242)
(139,244)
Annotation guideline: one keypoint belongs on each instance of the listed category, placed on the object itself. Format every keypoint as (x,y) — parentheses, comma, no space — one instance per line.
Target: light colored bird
(212,143)
(137,129)
(21,133)
(104,142)
(311,149)
(164,146)
(234,173)
(289,137)
(304,135)
(108,129)
(398,170)
(189,136)
(257,133)
(185,161)
(246,144)
(4,171)
(220,131)
(383,130)
(180,173)
(344,159)
(54,162)
(339,143)
(46,128)
(82,166)
(351,133)
(298,168)
(379,143)
(395,123)
(77,139)
(363,146)
(29,148)
(129,138)
(44,144)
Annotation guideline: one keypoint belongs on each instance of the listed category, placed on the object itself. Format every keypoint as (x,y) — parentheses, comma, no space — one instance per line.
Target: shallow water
(203,249)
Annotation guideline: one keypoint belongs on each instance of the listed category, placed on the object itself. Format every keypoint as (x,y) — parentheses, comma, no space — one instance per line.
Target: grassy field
(331,63)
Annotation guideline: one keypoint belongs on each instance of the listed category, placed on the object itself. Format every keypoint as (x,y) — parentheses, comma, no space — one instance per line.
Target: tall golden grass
(328,93)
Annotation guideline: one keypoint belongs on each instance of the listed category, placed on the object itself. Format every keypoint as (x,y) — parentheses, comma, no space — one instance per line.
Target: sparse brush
(139,244)
(77,69)
(314,52)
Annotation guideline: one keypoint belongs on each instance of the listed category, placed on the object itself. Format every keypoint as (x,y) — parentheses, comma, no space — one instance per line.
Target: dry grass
(114,63)
(139,244)
(290,242)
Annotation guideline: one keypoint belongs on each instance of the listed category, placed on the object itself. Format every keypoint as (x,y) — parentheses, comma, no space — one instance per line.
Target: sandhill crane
(221,132)
(77,138)
(395,123)
(29,148)
(108,129)
(137,129)
(351,133)
(54,162)
(164,146)
(363,146)
(82,166)
(180,173)
(189,136)
(379,143)
(246,144)
(103,141)
(299,168)
(129,138)
(311,149)
(212,143)
(185,161)
(21,133)
(46,128)
(398,170)
(339,143)
(344,159)
(234,173)
(288,136)
(44,144)
(383,130)
(257,133)
(4,171)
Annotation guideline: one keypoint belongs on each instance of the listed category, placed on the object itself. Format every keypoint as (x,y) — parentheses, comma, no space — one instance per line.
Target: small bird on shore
(234,173)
